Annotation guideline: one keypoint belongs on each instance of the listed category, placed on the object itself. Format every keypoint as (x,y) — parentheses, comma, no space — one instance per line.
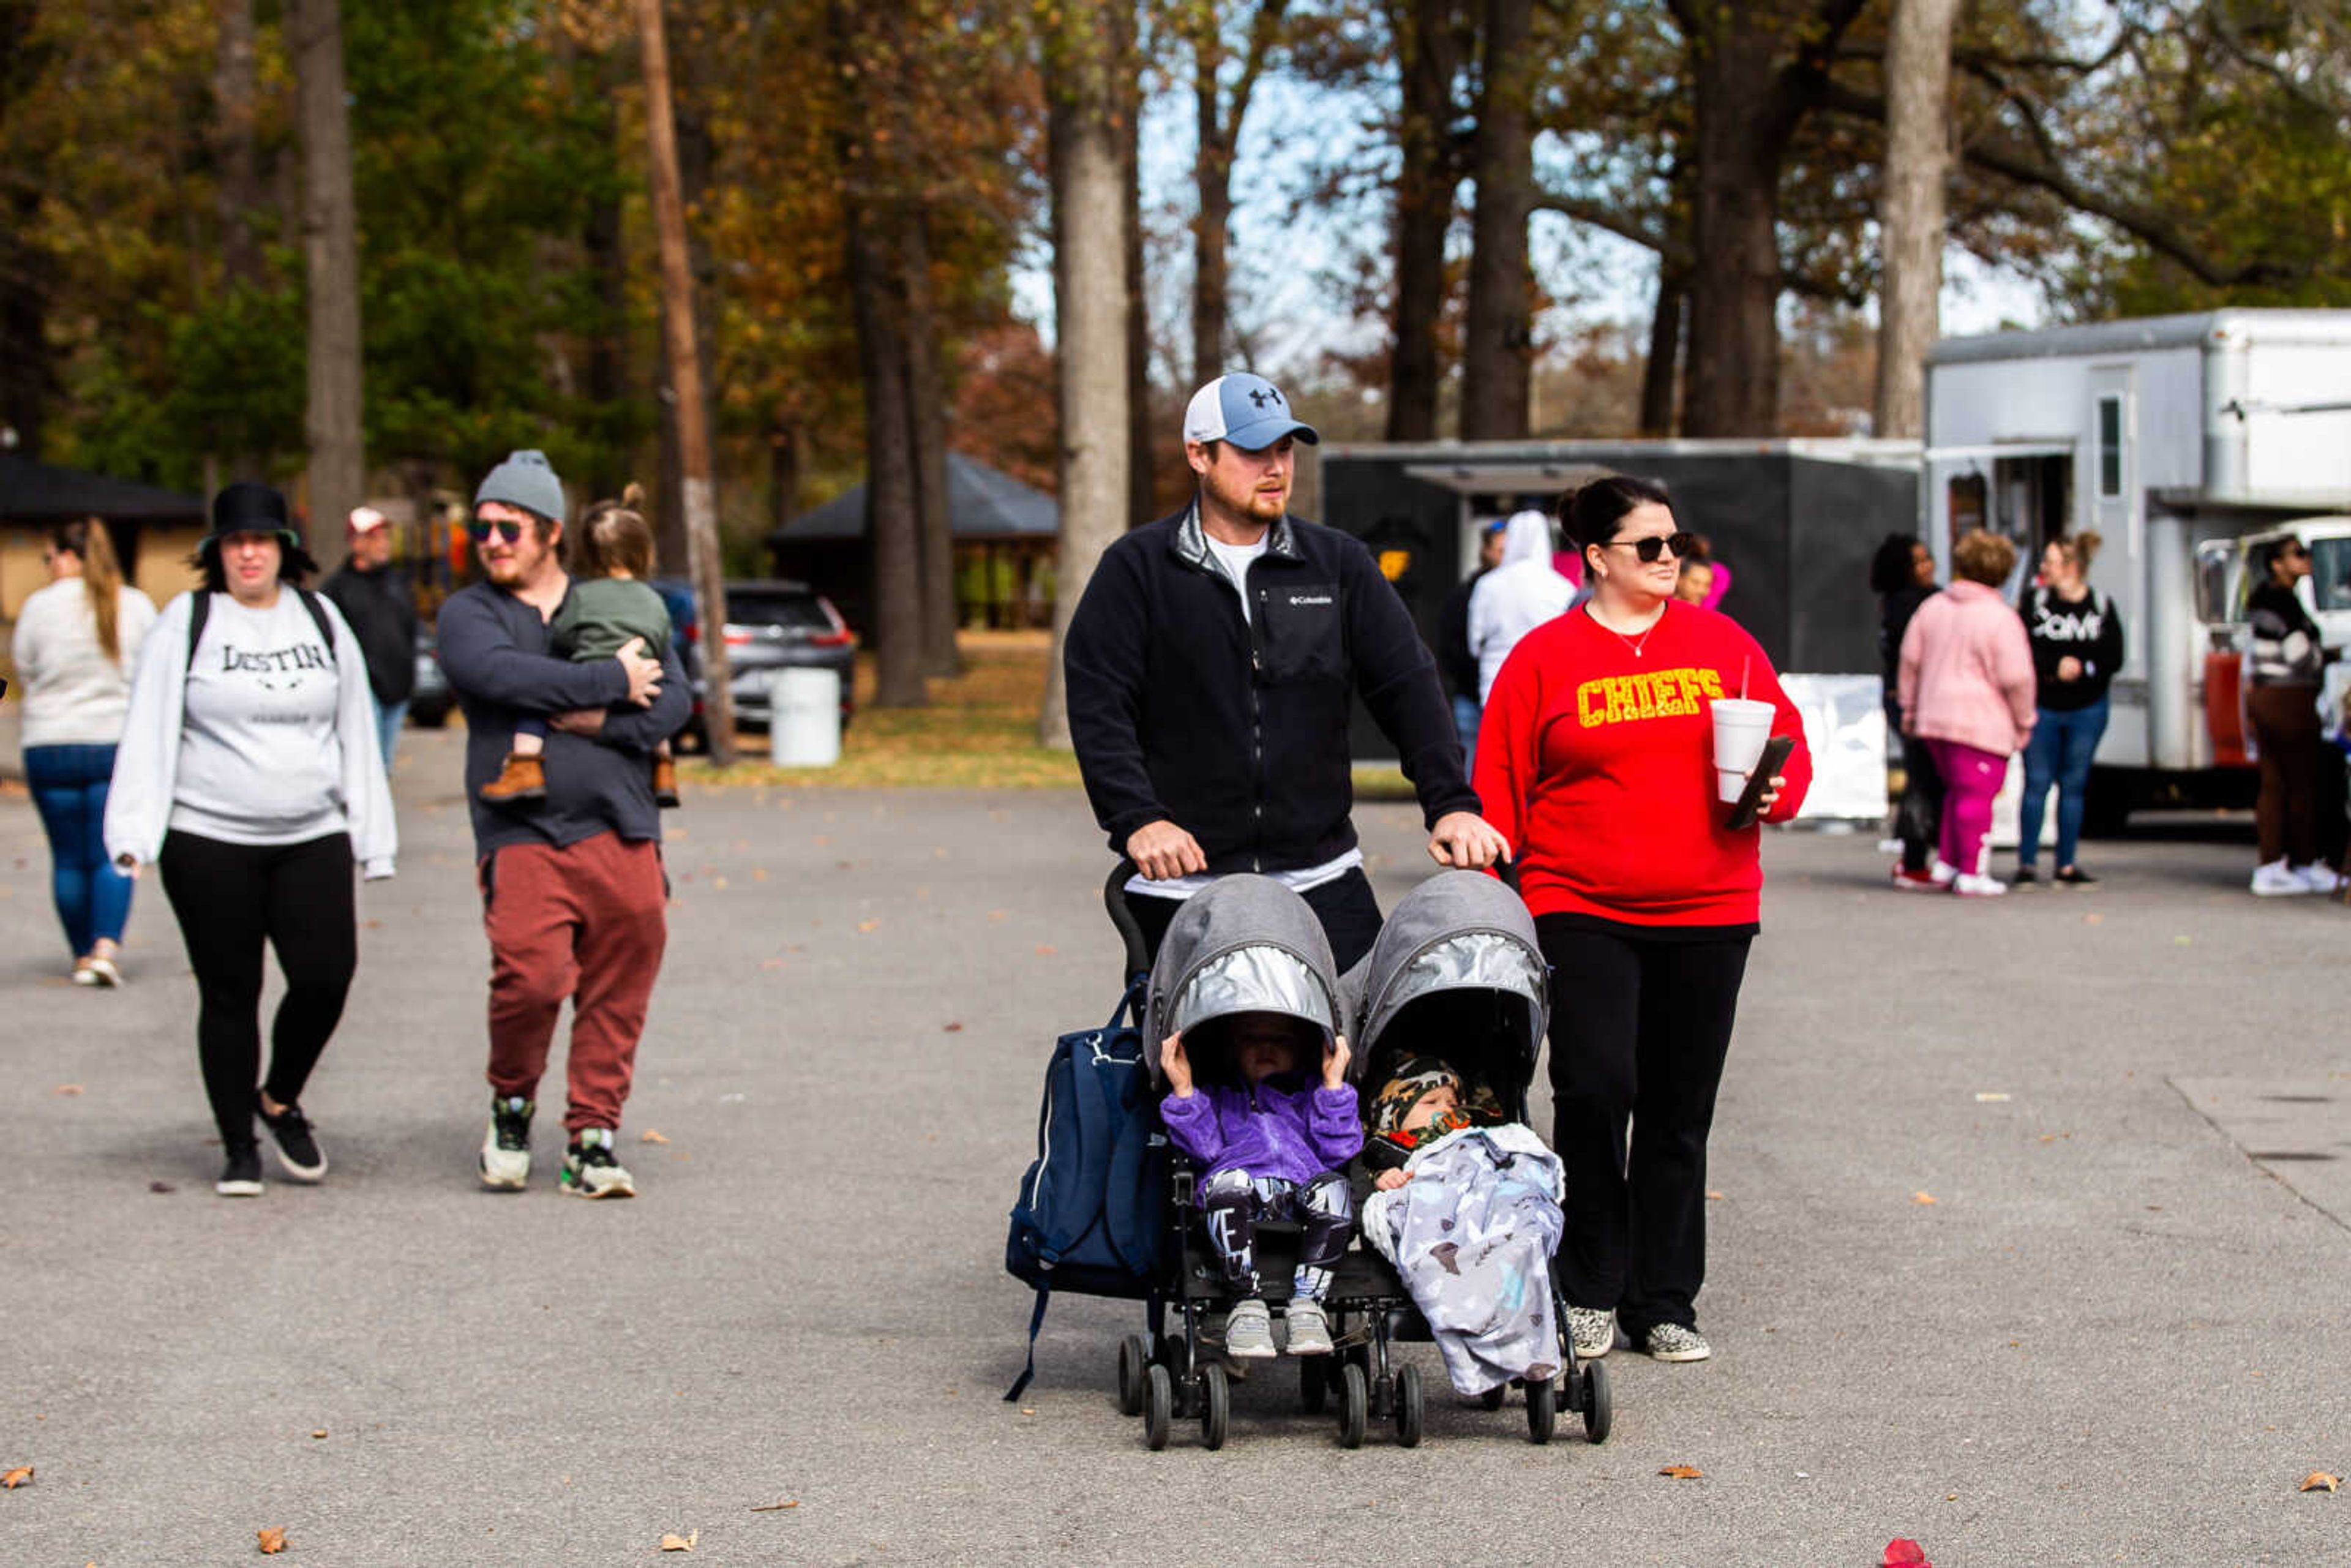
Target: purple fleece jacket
(1279,1128)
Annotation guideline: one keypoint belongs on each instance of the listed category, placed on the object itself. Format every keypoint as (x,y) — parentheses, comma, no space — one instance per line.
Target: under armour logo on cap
(1247,410)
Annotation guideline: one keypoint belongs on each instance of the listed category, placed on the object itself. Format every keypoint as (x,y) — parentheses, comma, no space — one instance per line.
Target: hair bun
(632,495)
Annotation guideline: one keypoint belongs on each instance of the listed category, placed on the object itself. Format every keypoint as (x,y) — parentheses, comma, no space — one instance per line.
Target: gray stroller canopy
(1458,931)
(1247,944)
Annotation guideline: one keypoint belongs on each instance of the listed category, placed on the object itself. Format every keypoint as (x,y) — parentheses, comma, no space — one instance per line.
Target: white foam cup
(1740,728)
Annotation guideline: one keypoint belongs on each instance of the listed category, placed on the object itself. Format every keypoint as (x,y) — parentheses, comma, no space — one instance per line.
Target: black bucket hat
(246,508)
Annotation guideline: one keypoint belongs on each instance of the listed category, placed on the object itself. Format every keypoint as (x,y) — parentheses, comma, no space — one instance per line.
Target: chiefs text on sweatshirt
(1595,759)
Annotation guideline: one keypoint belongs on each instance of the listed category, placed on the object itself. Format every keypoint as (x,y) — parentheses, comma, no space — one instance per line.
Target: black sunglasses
(506,528)
(1655,545)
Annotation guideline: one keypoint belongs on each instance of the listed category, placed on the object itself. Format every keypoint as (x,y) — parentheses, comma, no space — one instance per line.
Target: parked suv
(770,625)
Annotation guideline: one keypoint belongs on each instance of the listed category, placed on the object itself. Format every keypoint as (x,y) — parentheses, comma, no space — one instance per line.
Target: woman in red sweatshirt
(1599,771)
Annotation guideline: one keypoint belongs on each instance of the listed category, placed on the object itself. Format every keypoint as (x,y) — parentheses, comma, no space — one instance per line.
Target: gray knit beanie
(524,480)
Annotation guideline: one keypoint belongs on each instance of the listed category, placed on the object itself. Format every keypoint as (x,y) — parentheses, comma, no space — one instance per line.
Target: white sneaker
(1591,1330)
(1248,1330)
(1969,885)
(2320,877)
(1943,871)
(2277,880)
(506,1147)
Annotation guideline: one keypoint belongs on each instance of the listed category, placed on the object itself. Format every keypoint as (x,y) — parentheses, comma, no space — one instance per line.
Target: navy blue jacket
(493,647)
(1237,731)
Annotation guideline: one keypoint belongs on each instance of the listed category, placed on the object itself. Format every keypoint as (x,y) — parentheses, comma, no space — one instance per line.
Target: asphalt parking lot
(2033,1241)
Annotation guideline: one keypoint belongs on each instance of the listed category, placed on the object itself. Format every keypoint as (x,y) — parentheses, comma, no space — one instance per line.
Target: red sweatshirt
(1597,763)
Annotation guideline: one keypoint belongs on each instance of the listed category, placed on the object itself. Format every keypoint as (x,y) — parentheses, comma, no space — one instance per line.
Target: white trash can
(804,717)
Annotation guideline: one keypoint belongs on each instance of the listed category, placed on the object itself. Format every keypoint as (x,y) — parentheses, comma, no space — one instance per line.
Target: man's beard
(1246,501)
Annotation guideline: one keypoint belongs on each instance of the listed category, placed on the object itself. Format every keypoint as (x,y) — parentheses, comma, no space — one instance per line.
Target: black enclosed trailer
(1795,520)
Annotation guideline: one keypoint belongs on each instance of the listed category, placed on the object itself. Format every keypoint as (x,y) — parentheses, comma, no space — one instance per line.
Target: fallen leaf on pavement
(17,1477)
(1991,1097)
(2316,1480)
(650,1137)
(1922,1197)
(869,925)
(773,1507)
(1046,949)
(1901,1554)
(273,1539)
(1714,1193)
(771,962)
(66,1089)
(1682,1472)
(681,1543)
(995,914)
(2093,920)
(758,873)
(318,1432)
(953,1029)
(160,1186)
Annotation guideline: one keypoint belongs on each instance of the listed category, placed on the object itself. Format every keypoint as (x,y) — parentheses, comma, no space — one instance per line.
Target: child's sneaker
(241,1177)
(506,1147)
(521,778)
(1674,1342)
(665,783)
(1591,1330)
(1310,1331)
(590,1171)
(1249,1333)
(298,1145)
(1967,884)
(2277,880)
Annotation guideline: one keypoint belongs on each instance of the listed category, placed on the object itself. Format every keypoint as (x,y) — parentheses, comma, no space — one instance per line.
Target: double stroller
(1456,974)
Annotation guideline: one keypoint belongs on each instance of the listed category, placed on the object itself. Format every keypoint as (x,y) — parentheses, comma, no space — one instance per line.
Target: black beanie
(246,508)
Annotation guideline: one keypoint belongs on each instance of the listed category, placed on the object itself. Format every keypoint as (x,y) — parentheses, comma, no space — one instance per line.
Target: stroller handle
(1130,930)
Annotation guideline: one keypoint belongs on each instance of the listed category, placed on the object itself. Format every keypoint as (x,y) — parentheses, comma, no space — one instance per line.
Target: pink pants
(1971,779)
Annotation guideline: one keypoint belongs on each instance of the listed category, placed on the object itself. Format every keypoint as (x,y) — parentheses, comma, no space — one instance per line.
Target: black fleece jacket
(1236,730)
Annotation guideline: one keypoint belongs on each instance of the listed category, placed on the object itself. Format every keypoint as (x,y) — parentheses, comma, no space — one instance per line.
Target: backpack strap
(1036,1322)
(201,609)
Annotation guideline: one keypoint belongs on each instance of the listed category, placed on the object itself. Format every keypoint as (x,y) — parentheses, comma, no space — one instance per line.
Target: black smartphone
(1767,767)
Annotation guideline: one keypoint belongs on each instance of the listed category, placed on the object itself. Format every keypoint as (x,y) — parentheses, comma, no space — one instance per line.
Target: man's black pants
(1349,913)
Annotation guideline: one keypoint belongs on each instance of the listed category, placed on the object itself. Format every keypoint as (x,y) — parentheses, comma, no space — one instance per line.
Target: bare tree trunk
(331,251)
(698,492)
(236,85)
(1910,222)
(926,415)
(1428,58)
(1497,346)
(605,382)
(696,155)
(1658,375)
(1212,173)
(1142,485)
(1085,76)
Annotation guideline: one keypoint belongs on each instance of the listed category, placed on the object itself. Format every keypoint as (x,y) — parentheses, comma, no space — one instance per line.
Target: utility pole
(685,385)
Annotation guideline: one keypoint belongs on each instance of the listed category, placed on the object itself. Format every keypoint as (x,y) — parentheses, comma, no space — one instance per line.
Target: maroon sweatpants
(587,922)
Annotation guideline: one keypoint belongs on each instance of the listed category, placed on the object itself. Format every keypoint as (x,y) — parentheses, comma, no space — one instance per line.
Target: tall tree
(1142,478)
(1217,113)
(27,267)
(338,469)
(1498,344)
(1426,35)
(1918,164)
(927,434)
(1085,67)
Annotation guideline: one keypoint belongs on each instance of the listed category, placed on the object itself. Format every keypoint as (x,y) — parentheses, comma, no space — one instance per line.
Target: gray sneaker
(1592,1332)
(1672,1341)
(1310,1331)
(1249,1333)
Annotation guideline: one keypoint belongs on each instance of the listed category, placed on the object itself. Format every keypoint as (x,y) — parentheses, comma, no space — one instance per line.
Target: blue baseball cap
(1246,410)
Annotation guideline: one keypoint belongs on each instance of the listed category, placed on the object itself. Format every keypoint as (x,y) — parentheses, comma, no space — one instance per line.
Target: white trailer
(2187,442)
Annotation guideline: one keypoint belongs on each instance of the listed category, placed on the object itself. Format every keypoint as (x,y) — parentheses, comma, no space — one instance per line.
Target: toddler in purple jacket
(1270,1147)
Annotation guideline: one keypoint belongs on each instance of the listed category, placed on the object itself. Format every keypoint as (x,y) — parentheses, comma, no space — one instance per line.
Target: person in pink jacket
(1966,687)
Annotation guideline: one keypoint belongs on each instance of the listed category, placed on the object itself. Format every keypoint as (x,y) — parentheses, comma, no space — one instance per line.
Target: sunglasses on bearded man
(506,528)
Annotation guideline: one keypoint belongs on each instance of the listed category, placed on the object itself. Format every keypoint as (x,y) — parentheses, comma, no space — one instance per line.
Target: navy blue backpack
(1089,1218)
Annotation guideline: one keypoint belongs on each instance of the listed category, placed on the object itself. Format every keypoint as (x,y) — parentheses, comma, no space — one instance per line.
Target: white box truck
(2187,442)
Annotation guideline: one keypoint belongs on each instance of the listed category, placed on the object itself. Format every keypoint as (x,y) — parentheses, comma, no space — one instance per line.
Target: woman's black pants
(1639,1030)
(230,900)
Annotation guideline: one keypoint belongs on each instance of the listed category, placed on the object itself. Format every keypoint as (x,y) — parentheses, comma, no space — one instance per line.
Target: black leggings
(230,899)
(1345,905)
(1639,1029)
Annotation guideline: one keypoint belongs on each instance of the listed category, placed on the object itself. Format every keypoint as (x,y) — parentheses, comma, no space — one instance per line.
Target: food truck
(2189,443)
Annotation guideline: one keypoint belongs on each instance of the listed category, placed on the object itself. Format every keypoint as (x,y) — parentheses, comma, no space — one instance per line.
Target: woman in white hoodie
(249,774)
(1516,597)
(76,641)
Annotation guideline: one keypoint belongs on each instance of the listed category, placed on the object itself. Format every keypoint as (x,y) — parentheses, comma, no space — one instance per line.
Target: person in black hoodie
(1211,668)
(1902,574)
(2077,648)
(375,601)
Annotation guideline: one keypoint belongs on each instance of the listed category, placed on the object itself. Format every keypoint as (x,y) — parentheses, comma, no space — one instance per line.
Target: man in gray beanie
(573,895)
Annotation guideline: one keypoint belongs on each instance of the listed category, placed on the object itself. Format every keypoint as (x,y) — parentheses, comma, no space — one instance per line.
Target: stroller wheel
(1542,1410)
(1314,1383)
(1158,1407)
(1354,1405)
(1598,1415)
(1134,1356)
(1215,1406)
(1495,1397)
(1408,1407)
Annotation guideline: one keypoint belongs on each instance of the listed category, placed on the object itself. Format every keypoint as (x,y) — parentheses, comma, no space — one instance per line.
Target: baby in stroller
(1271,1147)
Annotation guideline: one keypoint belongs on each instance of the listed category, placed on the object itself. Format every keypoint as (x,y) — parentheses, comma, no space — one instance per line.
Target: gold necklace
(1620,636)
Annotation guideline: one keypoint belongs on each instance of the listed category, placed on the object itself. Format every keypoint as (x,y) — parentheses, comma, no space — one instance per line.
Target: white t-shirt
(260,760)
(1235,559)
(73,694)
